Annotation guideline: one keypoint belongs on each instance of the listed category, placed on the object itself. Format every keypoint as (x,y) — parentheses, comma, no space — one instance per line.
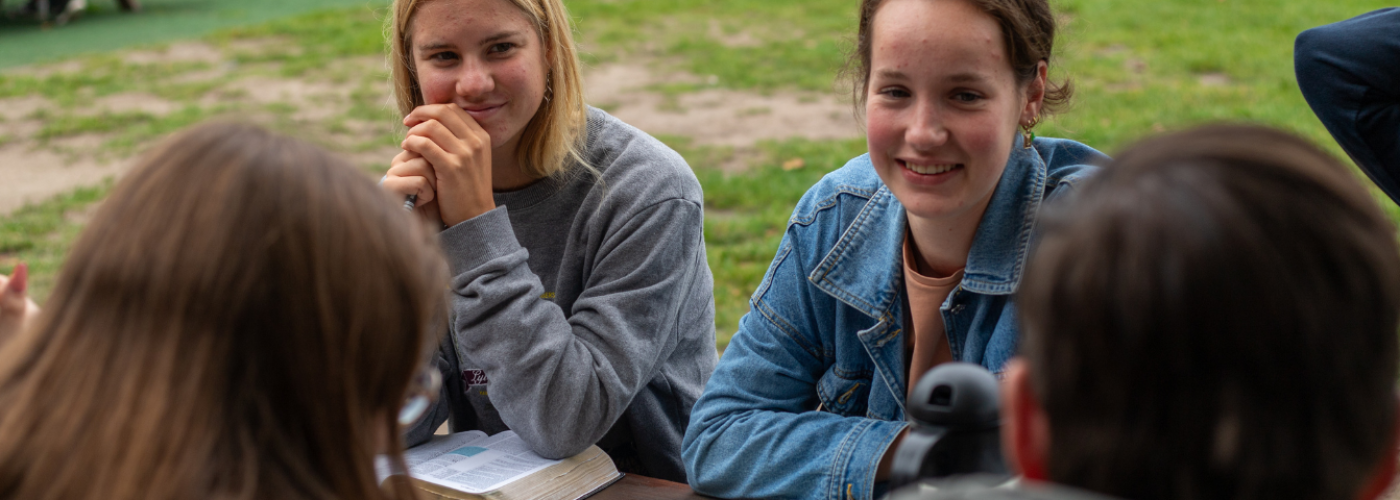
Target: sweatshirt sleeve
(561,381)
(1349,72)
(445,360)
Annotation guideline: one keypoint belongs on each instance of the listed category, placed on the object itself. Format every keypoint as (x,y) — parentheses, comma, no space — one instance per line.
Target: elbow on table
(555,443)
(705,469)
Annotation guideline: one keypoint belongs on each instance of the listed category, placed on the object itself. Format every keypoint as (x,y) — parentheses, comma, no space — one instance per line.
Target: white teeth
(930,169)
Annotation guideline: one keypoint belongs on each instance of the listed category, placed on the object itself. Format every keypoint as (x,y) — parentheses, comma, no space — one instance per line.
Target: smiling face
(942,107)
(484,56)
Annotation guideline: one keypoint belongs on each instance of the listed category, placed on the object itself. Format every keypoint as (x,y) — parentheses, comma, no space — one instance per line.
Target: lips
(482,112)
(930,168)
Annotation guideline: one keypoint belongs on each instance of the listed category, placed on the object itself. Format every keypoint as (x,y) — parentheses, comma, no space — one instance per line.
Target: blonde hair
(558,131)
(241,319)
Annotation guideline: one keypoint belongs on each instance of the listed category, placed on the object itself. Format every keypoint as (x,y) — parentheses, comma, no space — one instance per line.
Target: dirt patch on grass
(319,108)
(310,100)
(1214,79)
(35,174)
(176,52)
(716,116)
(46,70)
(20,108)
(732,39)
(133,102)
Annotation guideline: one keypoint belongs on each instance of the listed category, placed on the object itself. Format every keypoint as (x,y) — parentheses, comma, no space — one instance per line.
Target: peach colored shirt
(924,329)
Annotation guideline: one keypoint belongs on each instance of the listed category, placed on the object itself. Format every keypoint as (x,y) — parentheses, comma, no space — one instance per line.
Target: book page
(482,466)
(439,446)
(436,447)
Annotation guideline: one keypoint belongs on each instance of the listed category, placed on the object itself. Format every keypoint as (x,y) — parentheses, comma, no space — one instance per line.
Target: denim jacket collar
(993,264)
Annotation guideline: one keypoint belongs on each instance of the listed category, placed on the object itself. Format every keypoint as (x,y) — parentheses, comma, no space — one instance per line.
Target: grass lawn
(103,27)
(1138,68)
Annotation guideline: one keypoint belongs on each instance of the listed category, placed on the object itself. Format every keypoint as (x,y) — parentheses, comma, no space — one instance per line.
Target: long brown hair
(240,319)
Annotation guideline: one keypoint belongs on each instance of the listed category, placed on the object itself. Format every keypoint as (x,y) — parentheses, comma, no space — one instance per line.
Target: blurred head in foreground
(241,319)
(1213,317)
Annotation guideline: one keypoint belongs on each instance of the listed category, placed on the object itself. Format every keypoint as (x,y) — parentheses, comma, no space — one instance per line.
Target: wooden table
(634,487)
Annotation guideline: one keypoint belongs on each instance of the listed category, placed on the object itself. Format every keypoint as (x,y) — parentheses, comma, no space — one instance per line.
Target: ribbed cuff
(474,242)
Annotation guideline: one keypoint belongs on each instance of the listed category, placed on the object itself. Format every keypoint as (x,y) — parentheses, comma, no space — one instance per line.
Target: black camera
(955,426)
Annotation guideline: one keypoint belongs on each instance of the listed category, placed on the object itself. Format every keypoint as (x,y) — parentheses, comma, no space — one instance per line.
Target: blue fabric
(1350,74)
(825,329)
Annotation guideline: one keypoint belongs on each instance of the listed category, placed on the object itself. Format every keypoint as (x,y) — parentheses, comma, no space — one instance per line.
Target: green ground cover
(103,27)
(1138,68)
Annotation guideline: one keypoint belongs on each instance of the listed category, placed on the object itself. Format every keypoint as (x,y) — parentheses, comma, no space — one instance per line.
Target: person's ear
(1035,94)
(1384,474)
(1025,431)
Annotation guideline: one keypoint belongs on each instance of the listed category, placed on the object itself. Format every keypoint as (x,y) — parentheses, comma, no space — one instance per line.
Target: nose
(927,130)
(475,81)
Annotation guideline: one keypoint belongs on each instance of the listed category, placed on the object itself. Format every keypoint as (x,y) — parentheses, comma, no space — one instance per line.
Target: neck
(941,244)
(506,174)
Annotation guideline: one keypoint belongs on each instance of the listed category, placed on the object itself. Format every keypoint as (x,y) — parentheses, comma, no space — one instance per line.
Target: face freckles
(484,56)
(942,107)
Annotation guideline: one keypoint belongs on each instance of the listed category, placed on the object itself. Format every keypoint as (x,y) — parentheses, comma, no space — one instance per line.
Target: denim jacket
(810,392)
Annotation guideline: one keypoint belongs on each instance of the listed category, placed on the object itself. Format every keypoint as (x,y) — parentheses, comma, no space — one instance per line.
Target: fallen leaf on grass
(793,164)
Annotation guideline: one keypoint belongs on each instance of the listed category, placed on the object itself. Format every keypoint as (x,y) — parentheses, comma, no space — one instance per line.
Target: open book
(472,465)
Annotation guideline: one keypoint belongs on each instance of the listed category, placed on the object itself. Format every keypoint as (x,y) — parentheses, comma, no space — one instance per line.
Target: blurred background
(747,91)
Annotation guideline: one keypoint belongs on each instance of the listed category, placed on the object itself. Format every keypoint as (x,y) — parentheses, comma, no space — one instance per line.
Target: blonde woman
(582,305)
(242,318)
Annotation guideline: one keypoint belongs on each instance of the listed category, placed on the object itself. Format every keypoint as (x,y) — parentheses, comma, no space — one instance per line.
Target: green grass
(103,27)
(314,40)
(744,44)
(96,76)
(40,234)
(747,213)
(1138,68)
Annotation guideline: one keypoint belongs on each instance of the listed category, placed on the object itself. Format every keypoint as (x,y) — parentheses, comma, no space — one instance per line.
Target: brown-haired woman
(241,319)
(901,260)
(583,309)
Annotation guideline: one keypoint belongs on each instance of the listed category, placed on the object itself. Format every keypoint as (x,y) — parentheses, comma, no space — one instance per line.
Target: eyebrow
(894,74)
(966,78)
(427,47)
(431,46)
(500,36)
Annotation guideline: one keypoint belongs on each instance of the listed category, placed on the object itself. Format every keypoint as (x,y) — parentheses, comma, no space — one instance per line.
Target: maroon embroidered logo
(474,377)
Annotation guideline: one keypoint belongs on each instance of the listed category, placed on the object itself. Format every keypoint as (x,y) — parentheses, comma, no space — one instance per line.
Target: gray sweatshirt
(582,309)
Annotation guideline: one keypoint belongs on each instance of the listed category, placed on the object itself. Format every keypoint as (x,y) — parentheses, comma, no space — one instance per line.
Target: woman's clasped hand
(582,304)
(446,162)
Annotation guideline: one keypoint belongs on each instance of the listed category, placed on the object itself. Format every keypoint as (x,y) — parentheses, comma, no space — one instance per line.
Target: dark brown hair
(1027,30)
(1215,317)
(240,319)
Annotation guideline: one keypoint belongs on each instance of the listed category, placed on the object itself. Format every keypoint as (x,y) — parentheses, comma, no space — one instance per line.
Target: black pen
(408,202)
